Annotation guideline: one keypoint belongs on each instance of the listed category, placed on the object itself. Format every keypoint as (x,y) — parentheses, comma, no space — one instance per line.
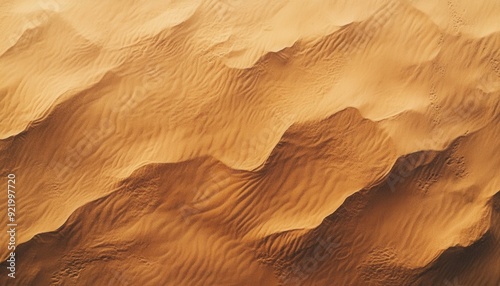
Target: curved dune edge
(406,170)
(297,129)
(363,33)
(478,259)
(146,191)
(293,139)
(231,142)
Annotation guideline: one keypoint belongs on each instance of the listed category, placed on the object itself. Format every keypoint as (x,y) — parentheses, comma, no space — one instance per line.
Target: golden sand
(232,142)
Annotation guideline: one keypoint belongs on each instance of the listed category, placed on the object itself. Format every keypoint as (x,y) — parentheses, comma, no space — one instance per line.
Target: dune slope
(218,142)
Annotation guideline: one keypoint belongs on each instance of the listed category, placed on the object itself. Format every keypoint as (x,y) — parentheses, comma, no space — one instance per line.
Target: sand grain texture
(231,142)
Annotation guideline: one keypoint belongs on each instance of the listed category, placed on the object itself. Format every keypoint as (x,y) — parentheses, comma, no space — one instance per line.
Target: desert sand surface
(232,142)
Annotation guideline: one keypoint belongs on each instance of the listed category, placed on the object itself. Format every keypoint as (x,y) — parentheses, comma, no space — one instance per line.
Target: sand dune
(230,142)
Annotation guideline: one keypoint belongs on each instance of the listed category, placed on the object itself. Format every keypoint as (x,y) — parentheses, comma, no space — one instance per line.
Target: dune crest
(231,142)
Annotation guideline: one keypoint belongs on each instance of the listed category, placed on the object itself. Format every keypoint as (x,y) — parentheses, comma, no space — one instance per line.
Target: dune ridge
(218,142)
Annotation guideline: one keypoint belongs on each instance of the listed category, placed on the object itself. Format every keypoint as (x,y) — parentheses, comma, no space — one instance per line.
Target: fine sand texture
(251,142)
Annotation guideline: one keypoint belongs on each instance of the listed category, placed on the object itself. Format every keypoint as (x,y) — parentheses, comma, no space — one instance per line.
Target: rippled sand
(232,142)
